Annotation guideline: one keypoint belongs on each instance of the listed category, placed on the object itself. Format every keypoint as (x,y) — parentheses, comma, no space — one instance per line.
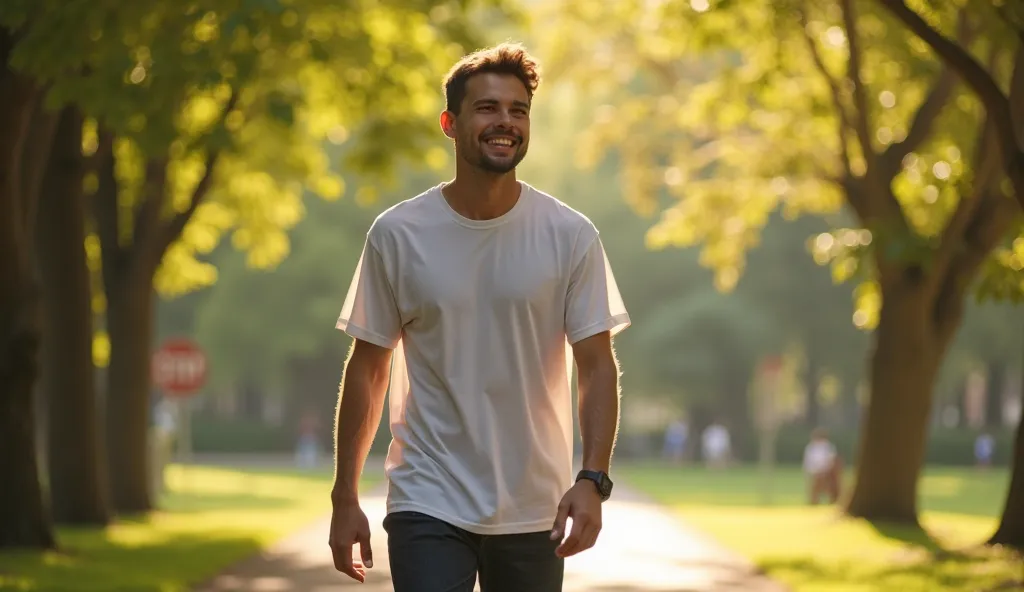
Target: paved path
(641,549)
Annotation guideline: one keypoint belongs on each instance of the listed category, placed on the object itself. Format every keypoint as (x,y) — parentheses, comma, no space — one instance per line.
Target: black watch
(601,481)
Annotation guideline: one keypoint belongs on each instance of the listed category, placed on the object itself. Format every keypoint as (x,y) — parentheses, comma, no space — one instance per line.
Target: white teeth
(500,142)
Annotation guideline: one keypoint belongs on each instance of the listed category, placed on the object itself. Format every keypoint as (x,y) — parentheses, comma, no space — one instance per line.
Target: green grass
(210,518)
(813,548)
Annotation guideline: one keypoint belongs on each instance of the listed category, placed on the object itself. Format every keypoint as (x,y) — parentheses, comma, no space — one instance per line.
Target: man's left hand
(582,503)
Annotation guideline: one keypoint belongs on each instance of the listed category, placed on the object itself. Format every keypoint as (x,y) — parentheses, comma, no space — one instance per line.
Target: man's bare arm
(360,404)
(598,380)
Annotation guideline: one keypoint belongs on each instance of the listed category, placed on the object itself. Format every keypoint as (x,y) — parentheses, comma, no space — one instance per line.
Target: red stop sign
(179,367)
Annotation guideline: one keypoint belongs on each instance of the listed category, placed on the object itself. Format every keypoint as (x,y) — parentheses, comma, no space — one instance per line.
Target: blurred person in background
(716,445)
(984,449)
(477,286)
(676,435)
(822,468)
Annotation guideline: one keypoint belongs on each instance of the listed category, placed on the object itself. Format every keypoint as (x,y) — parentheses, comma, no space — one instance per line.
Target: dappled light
(247,246)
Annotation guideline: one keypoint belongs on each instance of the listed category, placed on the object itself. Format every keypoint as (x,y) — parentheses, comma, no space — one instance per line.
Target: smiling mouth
(501,142)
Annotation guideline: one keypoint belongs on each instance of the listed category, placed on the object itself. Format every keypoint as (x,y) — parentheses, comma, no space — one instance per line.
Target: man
(481,287)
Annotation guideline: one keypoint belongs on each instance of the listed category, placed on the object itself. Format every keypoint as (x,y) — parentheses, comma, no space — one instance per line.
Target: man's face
(492,130)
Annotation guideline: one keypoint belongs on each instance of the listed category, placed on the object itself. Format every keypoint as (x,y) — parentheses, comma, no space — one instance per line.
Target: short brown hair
(505,58)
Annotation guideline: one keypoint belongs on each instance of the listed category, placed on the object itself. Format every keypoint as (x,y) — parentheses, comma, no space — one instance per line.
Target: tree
(1006,111)
(743,108)
(78,478)
(24,515)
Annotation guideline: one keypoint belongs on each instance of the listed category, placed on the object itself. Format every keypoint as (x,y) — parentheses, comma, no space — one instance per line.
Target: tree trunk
(1011,525)
(812,418)
(995,386)
(77,463)
(904,366)
(130,309)
(24,515)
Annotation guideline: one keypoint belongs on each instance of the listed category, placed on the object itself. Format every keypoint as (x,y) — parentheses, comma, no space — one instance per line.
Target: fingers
(583,536)
(342,541)
(558,530)
(343,561)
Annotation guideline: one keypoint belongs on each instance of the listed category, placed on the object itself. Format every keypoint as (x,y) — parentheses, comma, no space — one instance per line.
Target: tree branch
(860,101)
(993,219)
(986,171)
(974,74)
(853,189)
(172,229)
(842,114)
(154,195)
(921,125)
(108,227)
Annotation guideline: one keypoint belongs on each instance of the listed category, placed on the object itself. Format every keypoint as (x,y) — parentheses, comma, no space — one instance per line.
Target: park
(814,210)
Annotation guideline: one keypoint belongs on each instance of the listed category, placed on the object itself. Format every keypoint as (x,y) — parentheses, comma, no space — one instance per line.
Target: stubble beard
(493,166)
(500,167)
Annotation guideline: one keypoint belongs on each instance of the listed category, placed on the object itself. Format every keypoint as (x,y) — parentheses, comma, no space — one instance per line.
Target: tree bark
(77,462)
(24,515)
(904,366)
(130,308)
(1010,531)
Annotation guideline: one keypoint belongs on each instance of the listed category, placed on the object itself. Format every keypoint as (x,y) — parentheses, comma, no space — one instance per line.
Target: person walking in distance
(474,299)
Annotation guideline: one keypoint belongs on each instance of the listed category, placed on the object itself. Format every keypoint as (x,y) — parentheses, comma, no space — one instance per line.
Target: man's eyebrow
(516,103)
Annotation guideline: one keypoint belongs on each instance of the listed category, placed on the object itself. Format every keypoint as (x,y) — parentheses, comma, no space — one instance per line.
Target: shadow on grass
(922,560)
(915,537)
(172,562)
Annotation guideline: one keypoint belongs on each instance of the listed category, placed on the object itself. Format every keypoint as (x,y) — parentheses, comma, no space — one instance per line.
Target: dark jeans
(430,555)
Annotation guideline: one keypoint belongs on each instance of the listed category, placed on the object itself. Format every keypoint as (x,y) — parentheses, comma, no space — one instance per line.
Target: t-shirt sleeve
(370,312)
(593,303)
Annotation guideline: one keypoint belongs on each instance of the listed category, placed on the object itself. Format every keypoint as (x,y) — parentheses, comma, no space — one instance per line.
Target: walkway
(641,549)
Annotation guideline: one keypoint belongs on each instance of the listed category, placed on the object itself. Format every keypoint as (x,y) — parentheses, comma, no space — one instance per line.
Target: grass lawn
(812,548)
(210,518)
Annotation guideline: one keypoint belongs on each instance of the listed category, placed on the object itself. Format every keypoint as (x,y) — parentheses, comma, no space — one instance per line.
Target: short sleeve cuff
(362,334)
(615,324)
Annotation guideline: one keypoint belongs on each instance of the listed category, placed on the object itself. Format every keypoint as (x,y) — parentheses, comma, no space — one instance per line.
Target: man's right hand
(348,527)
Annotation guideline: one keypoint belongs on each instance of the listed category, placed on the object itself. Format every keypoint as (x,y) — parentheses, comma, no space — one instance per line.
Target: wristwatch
(601,481)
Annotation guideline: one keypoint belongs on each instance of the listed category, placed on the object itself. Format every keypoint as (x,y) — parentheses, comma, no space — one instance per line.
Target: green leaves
(269,88)
(731,111)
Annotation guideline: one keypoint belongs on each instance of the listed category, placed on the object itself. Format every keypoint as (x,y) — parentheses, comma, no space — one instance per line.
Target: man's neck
(479,195)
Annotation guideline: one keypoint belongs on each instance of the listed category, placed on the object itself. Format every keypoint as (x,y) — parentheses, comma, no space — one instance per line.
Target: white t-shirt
(818,457)
(481,314)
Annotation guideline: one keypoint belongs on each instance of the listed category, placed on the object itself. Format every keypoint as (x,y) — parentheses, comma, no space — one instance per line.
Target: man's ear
(448,124)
